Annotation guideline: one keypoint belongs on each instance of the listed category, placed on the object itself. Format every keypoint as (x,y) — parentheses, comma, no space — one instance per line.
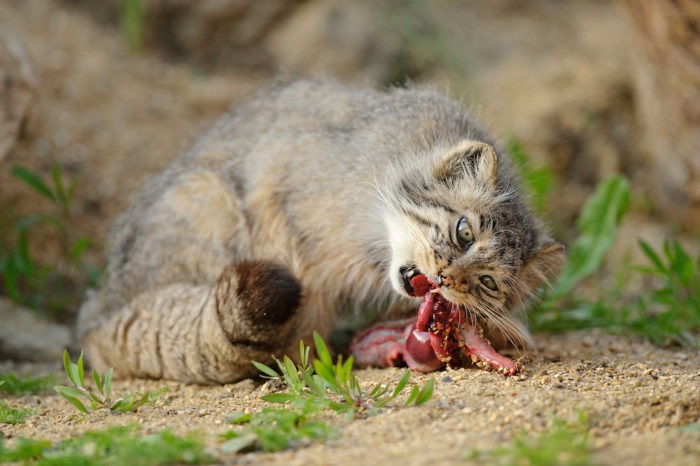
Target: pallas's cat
(309,201)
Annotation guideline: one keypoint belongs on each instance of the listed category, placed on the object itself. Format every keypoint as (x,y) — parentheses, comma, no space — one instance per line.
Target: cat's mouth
(414,282)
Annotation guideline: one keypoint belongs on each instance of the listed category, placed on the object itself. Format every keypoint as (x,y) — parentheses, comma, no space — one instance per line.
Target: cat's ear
(470,158)
(547,260)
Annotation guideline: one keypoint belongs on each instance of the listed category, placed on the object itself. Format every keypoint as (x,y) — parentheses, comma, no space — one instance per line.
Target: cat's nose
(445,280)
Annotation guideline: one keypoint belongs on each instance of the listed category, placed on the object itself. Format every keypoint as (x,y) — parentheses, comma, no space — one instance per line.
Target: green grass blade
(24,257)
(265,369)
(81,370)
(347,366)
(328,375)
(374,393)
(119,406)
(322,350)
(426,392)
(598,223)
(133,18)
(653,257)
(11,279)
(412,396)
(108,383)
(96,401)
(71,399)
(34,181)
(382,390)
(291,374)
(13,416)
(68,391)
(99,383)
(67,365)
(25,385)
(145,398)
(60,190)
(401,385)
(239,418)
(307,351)
(280,397)
(79,248)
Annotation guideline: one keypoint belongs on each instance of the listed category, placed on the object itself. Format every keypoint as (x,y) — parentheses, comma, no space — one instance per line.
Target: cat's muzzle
(414,282)
(407,273)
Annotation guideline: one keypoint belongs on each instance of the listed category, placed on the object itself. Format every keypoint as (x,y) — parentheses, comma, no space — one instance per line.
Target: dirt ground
(110,119)
(636,396)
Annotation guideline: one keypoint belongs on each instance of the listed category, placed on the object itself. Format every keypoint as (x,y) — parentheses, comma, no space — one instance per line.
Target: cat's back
(357,125)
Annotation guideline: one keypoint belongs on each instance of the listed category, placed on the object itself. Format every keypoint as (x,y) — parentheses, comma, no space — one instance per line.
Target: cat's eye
(465,237)
(488,282)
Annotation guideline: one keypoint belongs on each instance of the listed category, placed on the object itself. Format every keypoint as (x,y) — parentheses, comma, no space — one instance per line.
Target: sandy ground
(110,118)
(636,396)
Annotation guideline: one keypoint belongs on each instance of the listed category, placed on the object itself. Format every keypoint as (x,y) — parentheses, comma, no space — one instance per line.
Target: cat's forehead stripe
(415,216)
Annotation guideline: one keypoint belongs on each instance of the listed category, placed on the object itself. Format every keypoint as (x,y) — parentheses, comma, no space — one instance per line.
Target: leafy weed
(538,181)
(334,385)
(39,286)
(312,388)
(275,429)
(133,23)
(113,446)
(598,223)
(16,385)
(129,402)
(563,444)
(14,416)
(670,310)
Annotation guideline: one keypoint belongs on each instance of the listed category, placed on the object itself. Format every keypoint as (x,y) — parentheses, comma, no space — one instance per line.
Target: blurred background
(97,96)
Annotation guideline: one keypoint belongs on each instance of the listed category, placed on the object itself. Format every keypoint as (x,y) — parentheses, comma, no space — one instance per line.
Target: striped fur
(297,207)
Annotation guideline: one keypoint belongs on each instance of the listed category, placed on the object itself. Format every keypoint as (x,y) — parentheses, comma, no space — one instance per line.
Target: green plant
(334,385)
(133,21)
(114,446)
(598,223)
(670,311)
(275,429)
(563,444)
(14,416)
(427,45)
(537,181)
(16,385)
(311,389)
(75,371)
(30,283)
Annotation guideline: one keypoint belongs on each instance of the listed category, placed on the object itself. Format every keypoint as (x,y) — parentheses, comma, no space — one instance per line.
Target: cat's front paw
(254,299)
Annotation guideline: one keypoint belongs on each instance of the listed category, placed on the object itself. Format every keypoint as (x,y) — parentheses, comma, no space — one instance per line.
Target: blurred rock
(344,39)
(26,337)
(216,33)
(667,72)
(207,33)
(17,88)
(341,38)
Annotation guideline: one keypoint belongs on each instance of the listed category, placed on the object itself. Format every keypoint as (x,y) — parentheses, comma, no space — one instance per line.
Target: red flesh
(440,334)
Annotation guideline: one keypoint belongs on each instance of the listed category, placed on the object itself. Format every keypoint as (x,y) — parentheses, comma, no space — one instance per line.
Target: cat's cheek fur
(402,247)
(544,264)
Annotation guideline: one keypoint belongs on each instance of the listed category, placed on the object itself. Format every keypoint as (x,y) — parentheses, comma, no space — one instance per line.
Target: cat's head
(458,218)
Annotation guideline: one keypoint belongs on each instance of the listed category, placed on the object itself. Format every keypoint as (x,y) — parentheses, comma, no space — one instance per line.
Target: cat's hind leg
(201,334)
(183,299)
